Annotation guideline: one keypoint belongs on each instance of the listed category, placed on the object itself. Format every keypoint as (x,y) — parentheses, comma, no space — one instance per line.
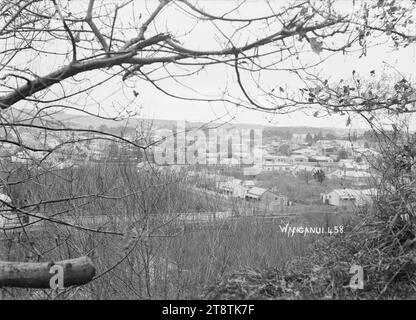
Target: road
(203,219)
(105,222)
(177,220)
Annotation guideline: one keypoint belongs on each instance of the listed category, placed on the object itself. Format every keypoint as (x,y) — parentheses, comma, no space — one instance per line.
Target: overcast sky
(382,59)
(210,82)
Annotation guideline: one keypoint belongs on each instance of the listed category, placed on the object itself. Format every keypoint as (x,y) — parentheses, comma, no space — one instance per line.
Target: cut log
(77,271)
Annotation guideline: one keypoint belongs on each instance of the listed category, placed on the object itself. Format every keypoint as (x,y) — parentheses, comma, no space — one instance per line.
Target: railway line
(178,221)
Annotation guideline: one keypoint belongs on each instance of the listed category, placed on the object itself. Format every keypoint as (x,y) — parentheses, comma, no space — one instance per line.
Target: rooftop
(257,191)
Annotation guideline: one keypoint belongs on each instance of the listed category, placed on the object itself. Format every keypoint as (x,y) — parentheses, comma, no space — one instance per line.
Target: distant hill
(86,121)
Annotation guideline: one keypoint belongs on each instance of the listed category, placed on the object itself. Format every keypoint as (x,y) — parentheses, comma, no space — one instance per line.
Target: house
(277,167)
(323,159)
(349,198)
(269,159)
(307,152)
(350,164)
(277,163)
(278,159)
(266,198)
(262,194)
(247,190)
(299,158)
(324,144)
(233,188)
(298,137)
(251,172)
(249,184)
(357,177)
(257,193)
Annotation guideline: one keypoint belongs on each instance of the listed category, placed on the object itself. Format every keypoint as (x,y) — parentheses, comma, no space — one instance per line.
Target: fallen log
(77,271)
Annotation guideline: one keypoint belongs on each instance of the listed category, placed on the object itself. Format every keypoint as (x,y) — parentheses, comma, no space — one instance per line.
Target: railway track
(182,220)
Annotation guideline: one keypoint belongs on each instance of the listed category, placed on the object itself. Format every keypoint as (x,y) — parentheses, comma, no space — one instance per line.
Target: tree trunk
(77,271)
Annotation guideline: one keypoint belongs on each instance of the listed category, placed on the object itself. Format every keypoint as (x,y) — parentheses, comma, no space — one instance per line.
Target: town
(287,174)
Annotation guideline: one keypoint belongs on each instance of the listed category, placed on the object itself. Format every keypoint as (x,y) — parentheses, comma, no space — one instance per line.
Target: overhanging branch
(130,57)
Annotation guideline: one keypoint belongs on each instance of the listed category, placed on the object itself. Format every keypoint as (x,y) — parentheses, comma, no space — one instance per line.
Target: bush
(382,240)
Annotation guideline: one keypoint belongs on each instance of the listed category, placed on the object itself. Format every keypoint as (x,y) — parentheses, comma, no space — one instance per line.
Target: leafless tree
(59,56)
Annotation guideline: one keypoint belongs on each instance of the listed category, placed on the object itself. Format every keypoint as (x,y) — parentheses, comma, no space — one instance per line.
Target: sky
(153,104)
(338,67)
(382,59)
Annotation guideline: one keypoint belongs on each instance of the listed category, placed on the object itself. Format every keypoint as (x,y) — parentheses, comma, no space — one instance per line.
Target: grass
(388,264)
(246,258)
(178,267)
(169,264)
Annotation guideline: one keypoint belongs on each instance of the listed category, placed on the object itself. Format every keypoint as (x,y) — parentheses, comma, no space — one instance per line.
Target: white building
(307,152)
(298,158)
(232,187)
(282,167)
(350,164)
(252,171)
(349,198)
(357,177)
(298,137)
(323,159)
